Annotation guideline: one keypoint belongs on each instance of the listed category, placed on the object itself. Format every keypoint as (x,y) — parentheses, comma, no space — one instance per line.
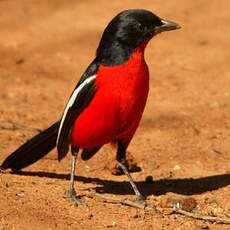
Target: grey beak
(166,26)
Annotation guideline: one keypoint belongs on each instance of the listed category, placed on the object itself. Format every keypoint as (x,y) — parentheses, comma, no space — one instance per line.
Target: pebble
(187,204)
(176,168)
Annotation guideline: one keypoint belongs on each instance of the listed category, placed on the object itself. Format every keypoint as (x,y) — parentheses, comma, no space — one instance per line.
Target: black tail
(33,150)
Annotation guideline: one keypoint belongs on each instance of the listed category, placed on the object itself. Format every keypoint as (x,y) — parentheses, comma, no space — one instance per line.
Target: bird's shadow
(186,186)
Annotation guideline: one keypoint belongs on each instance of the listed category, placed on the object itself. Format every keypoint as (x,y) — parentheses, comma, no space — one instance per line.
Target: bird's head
(127,31)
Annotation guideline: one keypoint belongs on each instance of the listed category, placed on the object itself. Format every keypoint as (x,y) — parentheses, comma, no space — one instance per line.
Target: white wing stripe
(71,101)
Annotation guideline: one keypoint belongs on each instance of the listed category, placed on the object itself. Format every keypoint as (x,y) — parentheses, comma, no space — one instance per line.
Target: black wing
(80,98)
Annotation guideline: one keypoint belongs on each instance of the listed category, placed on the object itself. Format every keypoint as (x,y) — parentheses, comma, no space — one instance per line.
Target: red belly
(117,107)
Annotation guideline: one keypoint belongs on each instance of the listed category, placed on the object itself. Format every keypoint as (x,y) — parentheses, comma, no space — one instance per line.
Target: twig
(143,205)
(202,217)
(14,126)
(136,204)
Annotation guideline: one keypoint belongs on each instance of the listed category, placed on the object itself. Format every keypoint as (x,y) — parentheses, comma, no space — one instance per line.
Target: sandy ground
(183,141)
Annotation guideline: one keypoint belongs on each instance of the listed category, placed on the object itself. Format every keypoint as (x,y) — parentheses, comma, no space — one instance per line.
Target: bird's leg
(135,189)
(71,193)
(121,151)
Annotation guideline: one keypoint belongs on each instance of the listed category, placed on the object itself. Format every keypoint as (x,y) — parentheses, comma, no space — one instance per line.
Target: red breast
(117,107)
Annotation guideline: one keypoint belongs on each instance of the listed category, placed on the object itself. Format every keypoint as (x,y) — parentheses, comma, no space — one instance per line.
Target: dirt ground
(183,141)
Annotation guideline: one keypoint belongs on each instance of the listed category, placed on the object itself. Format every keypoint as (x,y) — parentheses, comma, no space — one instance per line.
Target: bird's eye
(141,27)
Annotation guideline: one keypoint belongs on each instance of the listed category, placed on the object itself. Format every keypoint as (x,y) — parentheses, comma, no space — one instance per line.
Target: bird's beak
(166,26)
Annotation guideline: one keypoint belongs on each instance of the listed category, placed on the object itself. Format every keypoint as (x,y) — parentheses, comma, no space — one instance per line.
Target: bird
(107,104)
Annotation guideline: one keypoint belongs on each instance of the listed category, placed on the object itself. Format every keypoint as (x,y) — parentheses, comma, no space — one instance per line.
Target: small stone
(7,185)
(20,194)
(90,216)
(20,61)
(112,225)
(176,168)
(187,204)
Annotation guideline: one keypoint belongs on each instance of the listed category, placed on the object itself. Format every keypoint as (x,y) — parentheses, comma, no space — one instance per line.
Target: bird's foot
(140,202)
(140,198)
(74,199)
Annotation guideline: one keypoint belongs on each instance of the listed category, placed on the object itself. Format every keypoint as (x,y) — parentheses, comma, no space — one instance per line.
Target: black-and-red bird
(108,101)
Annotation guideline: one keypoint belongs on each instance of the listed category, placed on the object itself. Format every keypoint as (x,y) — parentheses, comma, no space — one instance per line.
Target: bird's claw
(140,198)
(149,207)
(142,204)
(74,199)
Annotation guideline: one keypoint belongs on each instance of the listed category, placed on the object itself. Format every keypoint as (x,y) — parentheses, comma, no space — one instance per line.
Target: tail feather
(33,150)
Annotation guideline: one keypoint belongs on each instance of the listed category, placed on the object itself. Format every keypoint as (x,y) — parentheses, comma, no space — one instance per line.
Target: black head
(126,32)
